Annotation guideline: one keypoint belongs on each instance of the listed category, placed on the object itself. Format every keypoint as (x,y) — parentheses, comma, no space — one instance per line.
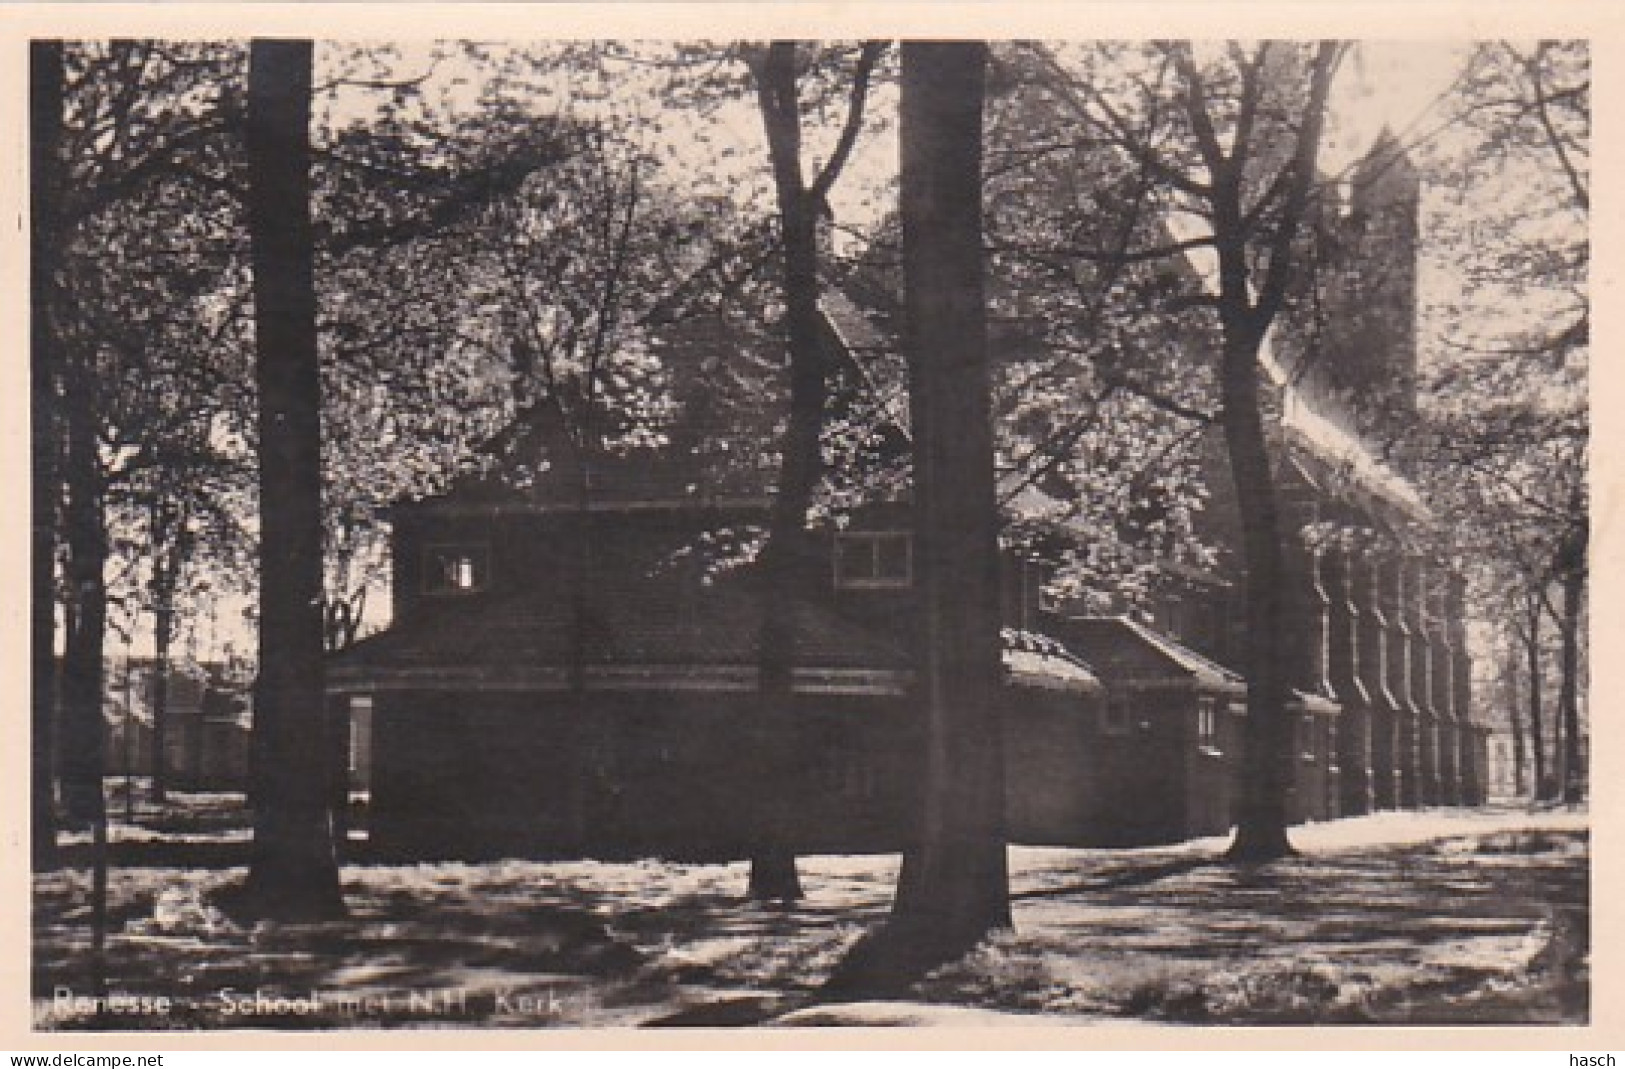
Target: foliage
(1109,346)
(1230,134)
(149,257)
(1505,400)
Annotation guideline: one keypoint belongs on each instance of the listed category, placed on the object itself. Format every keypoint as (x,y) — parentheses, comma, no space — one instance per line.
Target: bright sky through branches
(721,145)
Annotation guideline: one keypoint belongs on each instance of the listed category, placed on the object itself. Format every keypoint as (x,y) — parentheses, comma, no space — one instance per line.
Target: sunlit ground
(1444,916)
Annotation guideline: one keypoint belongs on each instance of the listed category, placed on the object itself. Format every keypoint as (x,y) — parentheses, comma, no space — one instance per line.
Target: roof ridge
(1176,651)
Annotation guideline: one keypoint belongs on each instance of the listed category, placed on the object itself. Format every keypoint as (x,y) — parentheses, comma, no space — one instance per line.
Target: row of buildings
(560,678)
(206,723)
(486,736)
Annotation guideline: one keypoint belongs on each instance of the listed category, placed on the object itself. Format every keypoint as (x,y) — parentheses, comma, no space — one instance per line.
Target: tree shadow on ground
(1128,878)
(1416,934)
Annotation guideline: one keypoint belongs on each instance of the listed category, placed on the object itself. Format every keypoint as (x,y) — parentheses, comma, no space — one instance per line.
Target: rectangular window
(1174,619)
(1116,716)
(456,569)
(873,560)
(1207,725)
(360,748)
(1307,737)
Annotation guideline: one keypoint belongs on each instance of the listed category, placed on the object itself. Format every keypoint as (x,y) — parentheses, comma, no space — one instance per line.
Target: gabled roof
(1124,651)
(709,456)
(872,353)
(1345,461)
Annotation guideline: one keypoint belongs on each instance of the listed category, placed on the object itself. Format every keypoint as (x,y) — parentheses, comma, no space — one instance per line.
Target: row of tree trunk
(1548,759)
(294,872)
(955,879)
(953,887)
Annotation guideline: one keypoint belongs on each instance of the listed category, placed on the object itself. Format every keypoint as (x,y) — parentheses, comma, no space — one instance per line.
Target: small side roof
(1035,660)
(1124,651)
(653,636)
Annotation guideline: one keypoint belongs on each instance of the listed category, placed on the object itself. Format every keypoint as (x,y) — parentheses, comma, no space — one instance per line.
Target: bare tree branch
(1278,275)
(856,99)
(1577,184)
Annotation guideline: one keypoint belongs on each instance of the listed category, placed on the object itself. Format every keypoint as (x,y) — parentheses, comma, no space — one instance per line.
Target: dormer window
(873,560)
(456,569)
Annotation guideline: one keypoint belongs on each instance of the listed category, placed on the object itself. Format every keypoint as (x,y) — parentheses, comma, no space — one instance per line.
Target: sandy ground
(1442,916)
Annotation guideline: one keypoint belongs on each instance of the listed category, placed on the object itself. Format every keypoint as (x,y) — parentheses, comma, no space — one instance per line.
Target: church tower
(1367,360)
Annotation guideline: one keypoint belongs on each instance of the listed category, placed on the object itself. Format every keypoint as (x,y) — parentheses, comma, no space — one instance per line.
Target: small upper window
(873,559)
(1207,724)
(456,569)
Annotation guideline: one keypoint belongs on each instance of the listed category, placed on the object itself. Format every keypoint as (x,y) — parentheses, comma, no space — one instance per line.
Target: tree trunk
(1261,818)
(45,131)
(81,754)
(163,627)
(1520,754)
(82,758)
(954,885)
(128,719)
(1568,699)
(784,557)
(582,793)
(773,875)
(1557,759)
(293,872)
(1537,727)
